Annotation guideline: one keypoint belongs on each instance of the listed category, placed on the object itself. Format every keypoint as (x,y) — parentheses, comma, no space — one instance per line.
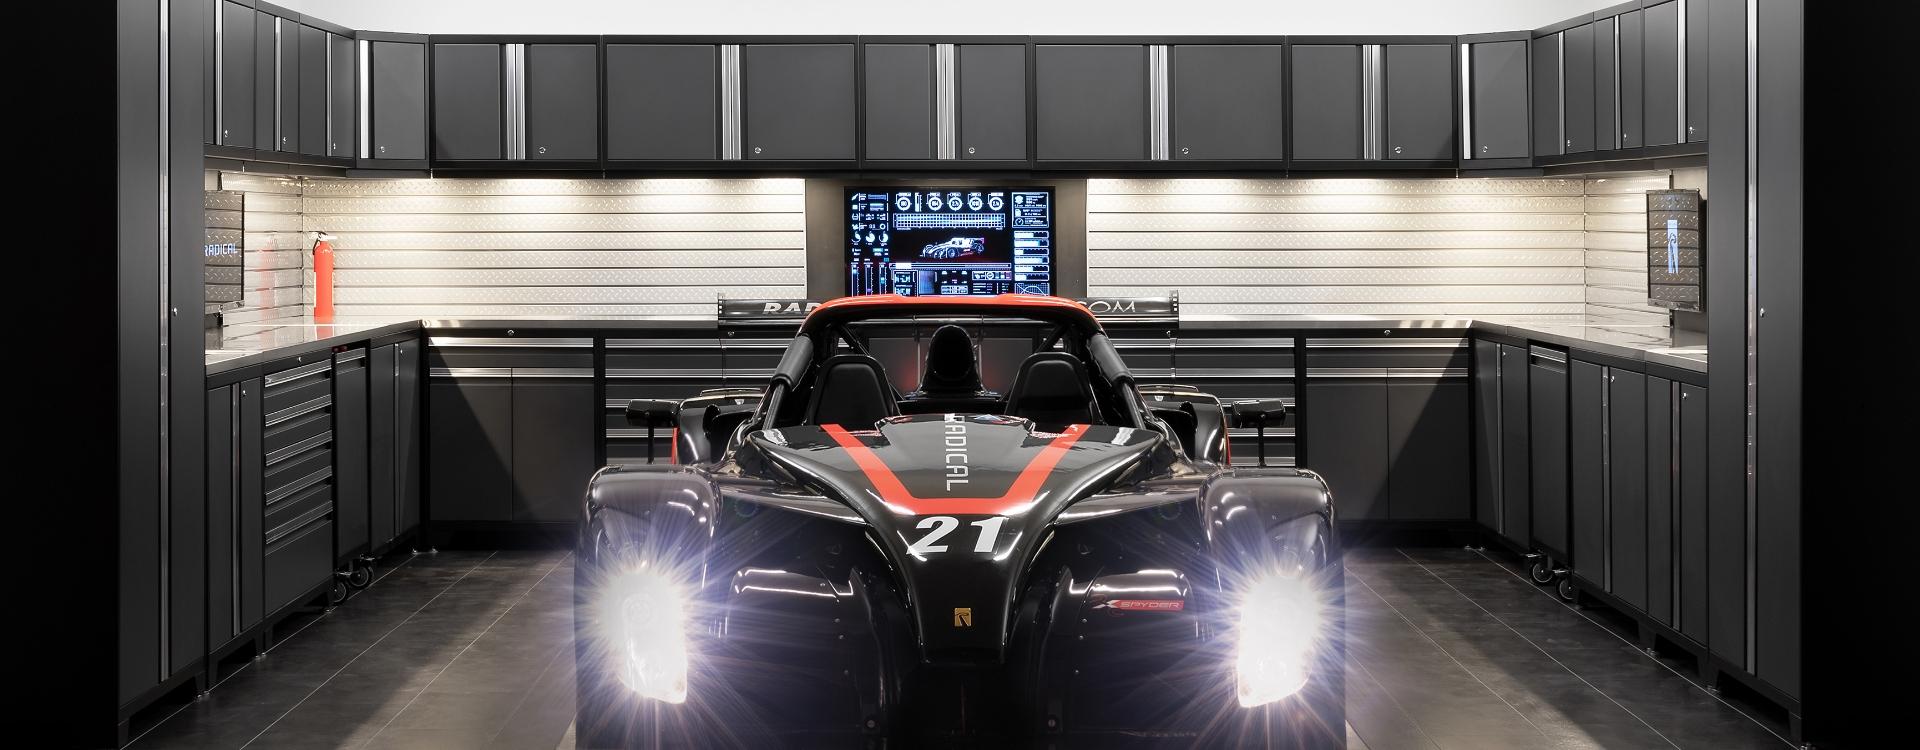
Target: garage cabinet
(639,77)
(352,456)
(511,432)
(394,470)
(1497,79)
(798,101)
(1378,102)
(988,117)
(397,77)
(1328,90)
(1547,132)
(1548,386)
(233,512)
(1502,472)
(1384,422)
(1228,102)
(1091,101)
(469,106)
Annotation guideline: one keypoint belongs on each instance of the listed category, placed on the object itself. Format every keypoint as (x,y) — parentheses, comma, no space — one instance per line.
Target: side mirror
(1258,412)
(652,412)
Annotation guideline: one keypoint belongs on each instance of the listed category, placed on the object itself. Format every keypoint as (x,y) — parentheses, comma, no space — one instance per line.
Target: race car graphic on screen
(958,247)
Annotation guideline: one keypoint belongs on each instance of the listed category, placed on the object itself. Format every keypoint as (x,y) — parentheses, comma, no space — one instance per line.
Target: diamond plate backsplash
(545,247)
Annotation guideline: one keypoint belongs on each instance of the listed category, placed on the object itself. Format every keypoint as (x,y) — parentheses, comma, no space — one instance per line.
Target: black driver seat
(850,390)
(951,381)
(1052,389)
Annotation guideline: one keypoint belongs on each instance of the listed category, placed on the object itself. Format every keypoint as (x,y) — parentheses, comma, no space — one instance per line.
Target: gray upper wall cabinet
(1578,89)
(992,87)
(563,101)
(1694,40)
(639,78)
(1606,89)
(1420,102)
(468,104)
(1499,100)
(798,101)
(1661,69)
(236,66)
(900,114)
(265,56)
(286,93)
(1632,83)
(1092,102)
(344,81)
(1328,93)
(1228,101)
(398,79)
(314,72)
(1548,136)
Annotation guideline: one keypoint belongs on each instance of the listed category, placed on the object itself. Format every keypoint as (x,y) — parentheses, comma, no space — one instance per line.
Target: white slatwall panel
(558,247)
(1616,247)
(277,277)
(1417,247)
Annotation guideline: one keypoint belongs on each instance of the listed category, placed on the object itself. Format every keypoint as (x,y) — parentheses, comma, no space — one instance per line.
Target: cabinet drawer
(293,510)
(297,563)
(287,439)
(288,400)
(297,473)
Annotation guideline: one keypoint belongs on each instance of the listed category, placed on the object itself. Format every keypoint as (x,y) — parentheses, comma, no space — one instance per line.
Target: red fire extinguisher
(323,278)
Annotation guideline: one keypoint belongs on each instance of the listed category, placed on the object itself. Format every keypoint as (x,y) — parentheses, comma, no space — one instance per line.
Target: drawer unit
(297,486)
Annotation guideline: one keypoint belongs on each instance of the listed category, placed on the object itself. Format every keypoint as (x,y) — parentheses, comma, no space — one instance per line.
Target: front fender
(1256,521)
(657,516)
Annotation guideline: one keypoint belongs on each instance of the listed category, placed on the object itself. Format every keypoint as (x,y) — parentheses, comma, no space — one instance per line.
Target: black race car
(834,563)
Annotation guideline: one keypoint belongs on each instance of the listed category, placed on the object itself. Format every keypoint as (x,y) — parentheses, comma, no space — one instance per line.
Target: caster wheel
(1542,572)
(361,576)
(1565,590)
(337,594)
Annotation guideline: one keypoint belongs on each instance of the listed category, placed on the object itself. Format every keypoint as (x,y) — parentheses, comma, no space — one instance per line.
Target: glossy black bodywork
(1097,612)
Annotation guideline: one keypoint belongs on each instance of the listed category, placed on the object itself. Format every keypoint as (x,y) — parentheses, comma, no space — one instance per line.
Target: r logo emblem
(963,617)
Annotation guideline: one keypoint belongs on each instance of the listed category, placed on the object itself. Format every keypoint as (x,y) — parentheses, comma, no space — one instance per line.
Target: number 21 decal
(985,542)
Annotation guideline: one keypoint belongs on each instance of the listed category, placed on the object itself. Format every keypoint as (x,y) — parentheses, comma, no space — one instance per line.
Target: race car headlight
(1280,623)
(644,616)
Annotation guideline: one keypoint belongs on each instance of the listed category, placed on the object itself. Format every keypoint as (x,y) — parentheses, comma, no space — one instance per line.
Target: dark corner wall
(826,235)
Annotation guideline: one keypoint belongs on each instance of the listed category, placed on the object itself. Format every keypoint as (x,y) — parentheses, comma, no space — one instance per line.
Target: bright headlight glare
(643,616)
(1280,621)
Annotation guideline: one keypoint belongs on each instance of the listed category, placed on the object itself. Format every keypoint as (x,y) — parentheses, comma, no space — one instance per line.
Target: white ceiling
(1064,17)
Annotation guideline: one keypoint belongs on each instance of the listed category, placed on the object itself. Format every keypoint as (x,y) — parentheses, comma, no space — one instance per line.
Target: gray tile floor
(1449,649)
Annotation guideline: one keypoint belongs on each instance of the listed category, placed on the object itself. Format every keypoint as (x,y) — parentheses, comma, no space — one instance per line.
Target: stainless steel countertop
(238,345)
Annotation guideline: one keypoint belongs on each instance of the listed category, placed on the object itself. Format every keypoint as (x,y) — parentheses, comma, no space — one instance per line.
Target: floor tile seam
(356,657)
(1609,631)
(1449,654)
(1544,652)
(456,657)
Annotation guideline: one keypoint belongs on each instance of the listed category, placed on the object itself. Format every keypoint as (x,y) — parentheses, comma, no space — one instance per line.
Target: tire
(1542,572)
(1565,590)
(337,594)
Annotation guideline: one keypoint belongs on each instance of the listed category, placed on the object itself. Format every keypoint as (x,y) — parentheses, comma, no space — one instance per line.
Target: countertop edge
(1689,364)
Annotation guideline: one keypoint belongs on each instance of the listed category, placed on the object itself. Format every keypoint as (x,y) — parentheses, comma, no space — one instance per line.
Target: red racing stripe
(1016,498)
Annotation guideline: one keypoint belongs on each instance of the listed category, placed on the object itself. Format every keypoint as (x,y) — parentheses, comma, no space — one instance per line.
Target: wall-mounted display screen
(949,241)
